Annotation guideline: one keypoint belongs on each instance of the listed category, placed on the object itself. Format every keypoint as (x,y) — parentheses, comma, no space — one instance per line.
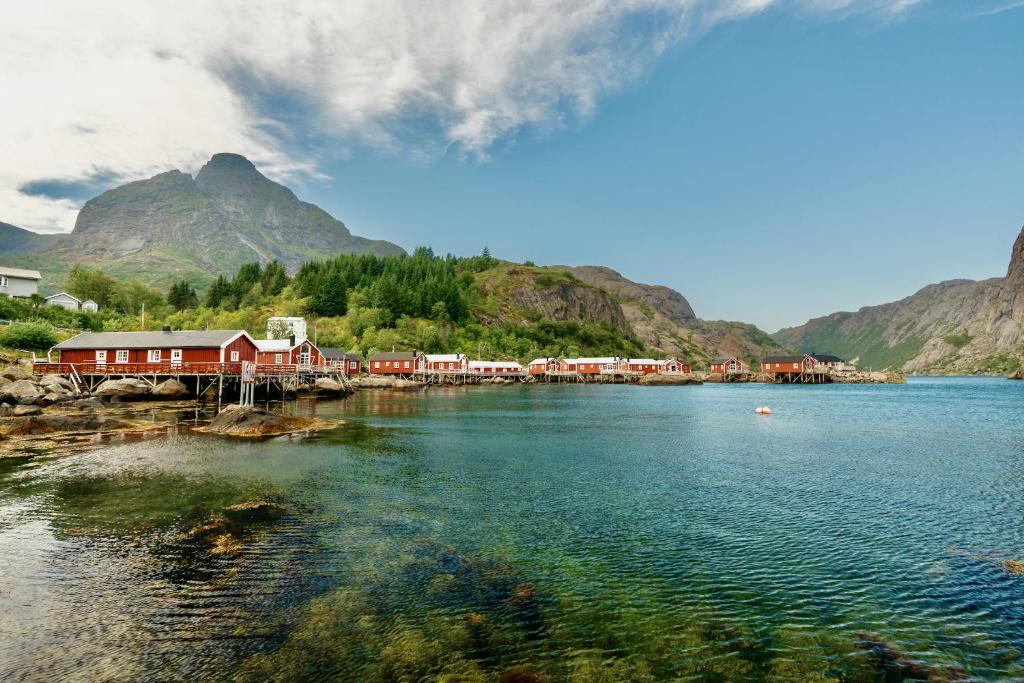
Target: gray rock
(171,388)
(88,403)
(47,381)
(13,373)
(328,385)
(6,410)
(22,391)
(21,411)
(127,388)
(57,397)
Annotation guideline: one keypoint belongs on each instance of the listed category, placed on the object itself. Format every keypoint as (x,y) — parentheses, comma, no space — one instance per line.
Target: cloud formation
(122,91)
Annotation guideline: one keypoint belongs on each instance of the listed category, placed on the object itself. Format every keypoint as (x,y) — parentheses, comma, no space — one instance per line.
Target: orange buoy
(763,410)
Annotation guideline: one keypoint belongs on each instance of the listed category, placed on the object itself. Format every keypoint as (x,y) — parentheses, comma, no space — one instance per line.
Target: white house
(64,300)
(19,282)
(90,306)
(282,327)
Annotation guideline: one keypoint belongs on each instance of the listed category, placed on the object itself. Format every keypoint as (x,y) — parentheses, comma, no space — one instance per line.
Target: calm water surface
(595,533)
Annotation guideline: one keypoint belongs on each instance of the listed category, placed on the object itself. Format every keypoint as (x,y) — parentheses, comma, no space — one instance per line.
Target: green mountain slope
(959,326)
(16,241)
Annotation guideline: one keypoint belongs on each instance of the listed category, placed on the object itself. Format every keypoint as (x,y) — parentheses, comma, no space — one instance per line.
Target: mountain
(15,240)
(958,326)
(661,318)
(174,226)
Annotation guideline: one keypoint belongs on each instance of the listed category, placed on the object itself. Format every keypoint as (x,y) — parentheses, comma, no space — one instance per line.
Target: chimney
(167,328)
(291,340)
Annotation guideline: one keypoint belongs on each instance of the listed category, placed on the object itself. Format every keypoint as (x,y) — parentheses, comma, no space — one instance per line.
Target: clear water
(593,533)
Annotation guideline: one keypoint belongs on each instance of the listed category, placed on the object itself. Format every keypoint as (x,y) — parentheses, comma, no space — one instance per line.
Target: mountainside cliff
(954,326)
(173,226)
(15,240)
(662,319)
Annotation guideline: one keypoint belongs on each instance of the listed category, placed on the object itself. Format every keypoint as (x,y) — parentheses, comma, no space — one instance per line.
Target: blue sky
(771,172)
(771,160)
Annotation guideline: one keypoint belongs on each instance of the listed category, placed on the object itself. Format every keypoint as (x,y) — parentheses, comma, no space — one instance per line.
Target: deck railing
(167,368)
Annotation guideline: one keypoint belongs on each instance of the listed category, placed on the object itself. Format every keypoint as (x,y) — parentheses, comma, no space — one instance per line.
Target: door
(175,357)
(101,357)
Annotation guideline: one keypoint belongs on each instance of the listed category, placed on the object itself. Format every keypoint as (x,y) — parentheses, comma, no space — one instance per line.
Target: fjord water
(591,533)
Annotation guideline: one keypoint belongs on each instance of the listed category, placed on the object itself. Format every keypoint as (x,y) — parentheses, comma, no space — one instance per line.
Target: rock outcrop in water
(255,422)
(654,380)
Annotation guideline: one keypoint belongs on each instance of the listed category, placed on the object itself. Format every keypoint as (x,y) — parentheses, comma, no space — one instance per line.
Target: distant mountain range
(957,326)
(174,226)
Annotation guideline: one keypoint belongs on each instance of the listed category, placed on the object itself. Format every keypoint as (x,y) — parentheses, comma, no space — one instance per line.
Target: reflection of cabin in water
(728,365)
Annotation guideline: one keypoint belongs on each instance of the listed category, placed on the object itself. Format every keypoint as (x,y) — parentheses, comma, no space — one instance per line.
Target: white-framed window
(387,364)
(278,358)
(353,365)
(234,356)
(122,356)
(376,364)
(3,280)
(101,356)
(154,356)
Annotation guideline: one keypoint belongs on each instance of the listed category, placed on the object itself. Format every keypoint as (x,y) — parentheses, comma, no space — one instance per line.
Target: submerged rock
(251,421)
(126,389)
(253,511)
(896,665)
(52,423)
(170,388)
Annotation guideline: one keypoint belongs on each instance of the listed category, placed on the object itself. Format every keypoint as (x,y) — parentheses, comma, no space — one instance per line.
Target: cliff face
(662,319)
(953,326)
(173,226)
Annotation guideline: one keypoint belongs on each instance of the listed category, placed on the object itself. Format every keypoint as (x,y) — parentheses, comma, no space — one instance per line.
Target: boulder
(22,391)
(128,388)
(20,411)
(6,410)
(170,388)
(47,381)
(57,397)
(13,373)
(1017,375)
(327,385)
(251,421)
(379,382)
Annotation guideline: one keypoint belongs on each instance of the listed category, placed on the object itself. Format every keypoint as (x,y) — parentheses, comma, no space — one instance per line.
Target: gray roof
(331,353)
(183,339)
(719,361)
(826,358)
(394,355)
(20,272)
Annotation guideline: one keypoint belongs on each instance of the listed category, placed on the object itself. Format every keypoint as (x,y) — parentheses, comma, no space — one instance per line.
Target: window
(176,356)
(154,356)
(234,356)
(376,364)
(352,365)
(101,356)
(387,364)
(122,356)
(278,358)
(3,280)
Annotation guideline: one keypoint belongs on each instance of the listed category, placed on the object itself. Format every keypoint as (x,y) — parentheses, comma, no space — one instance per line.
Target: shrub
(28,336)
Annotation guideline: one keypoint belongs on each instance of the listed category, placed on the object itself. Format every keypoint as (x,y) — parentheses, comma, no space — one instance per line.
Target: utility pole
(143,315)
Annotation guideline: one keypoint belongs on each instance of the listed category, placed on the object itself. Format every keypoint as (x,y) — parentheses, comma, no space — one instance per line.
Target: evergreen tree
(219,291)
(331,297)
(181,296)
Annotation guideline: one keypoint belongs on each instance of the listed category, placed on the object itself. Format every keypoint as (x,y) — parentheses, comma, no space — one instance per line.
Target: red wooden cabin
(288,351)
(543,366)
(588,366)
(157,351)
(394,363)
(442,363)
(337,359)
(496,368)
(728,365)
(674,366)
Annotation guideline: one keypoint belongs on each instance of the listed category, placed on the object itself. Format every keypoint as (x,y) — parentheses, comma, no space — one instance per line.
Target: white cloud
(126,90)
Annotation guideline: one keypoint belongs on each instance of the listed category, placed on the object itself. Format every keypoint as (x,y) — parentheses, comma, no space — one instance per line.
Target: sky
(772,160)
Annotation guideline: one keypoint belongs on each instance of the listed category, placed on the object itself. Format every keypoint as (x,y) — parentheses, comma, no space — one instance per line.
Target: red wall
(405,367)
(246,351)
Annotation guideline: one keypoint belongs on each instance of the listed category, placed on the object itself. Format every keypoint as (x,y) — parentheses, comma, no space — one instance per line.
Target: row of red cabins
(205,351)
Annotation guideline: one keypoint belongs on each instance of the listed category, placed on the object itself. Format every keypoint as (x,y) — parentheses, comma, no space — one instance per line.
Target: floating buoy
(763,410)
